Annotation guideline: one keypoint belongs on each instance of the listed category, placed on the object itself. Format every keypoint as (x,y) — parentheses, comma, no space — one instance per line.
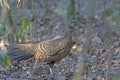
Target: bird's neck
(69,34)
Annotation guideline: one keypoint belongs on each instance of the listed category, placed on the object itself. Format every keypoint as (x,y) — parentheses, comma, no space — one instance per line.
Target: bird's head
(71,28)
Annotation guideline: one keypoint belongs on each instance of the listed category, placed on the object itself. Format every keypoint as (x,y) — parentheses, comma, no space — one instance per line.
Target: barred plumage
(46,51)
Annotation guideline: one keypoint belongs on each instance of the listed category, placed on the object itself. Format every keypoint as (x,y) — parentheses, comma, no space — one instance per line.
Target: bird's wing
(51,47)
(18,55)
(18,52)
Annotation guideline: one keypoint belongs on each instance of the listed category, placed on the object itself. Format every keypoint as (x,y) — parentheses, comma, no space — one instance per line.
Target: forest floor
(104,51)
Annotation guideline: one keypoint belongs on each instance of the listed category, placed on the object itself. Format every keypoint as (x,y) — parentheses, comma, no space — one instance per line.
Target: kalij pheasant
(51,50)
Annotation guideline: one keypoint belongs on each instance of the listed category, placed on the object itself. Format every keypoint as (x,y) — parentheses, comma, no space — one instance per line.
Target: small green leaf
(22,30)
(91,65)
(4,59)
(108,12)
(4,23)
(7,62)
(25,23)
(2,30)
(46,30)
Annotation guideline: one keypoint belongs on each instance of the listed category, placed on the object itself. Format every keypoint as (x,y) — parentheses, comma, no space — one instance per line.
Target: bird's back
(53,50)
(45,51)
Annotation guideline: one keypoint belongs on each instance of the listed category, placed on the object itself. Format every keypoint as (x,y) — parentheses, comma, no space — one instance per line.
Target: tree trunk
(70,10)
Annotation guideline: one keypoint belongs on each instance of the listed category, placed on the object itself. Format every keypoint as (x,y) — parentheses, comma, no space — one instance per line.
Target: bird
(50,51)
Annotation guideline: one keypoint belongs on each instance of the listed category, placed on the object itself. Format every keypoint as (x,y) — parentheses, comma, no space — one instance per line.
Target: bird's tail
(20,52)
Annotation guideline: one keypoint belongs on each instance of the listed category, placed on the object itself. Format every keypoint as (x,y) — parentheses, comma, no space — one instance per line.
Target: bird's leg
(51,72)
(34,68)
(51,66)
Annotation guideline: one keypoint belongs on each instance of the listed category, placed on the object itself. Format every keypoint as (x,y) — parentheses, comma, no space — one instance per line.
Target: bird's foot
(51,72)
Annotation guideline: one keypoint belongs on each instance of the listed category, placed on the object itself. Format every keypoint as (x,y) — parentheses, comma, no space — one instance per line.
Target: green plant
(22,30)
(4,60)
(2,30)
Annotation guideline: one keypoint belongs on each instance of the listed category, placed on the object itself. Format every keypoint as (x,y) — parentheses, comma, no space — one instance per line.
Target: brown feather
(46,51)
